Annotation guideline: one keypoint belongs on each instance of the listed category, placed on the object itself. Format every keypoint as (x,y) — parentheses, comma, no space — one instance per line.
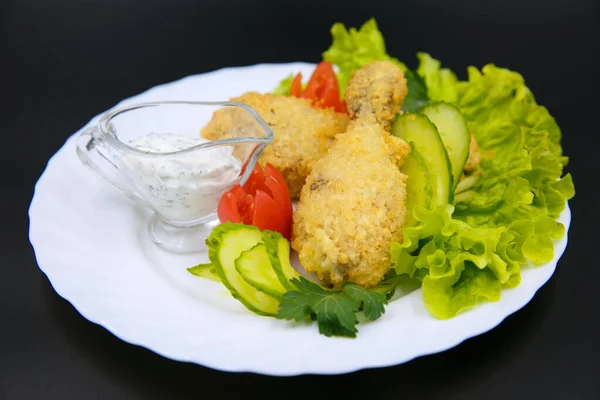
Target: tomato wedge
(296,88)
(264,201)
(228,208)
(267,215)
(322,88)
(276,184)
(322,78)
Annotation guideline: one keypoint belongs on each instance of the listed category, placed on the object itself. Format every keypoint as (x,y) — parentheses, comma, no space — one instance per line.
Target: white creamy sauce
(183,187)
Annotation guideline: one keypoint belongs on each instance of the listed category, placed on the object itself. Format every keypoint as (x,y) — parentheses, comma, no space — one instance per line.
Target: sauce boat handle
(94,154)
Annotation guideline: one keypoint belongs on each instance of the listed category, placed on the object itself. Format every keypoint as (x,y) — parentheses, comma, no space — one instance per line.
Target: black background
(65,61)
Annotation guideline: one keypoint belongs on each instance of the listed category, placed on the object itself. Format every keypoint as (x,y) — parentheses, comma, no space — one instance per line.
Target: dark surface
(66,61)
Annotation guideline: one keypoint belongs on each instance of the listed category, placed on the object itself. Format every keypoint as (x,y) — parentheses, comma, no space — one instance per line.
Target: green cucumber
(418,187)
(207,271)
(453,129)
(278,249)
(225,244)
(425,140)
(254,266)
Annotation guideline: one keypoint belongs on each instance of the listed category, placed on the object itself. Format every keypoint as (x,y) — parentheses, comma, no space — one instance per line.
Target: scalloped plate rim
(265,370)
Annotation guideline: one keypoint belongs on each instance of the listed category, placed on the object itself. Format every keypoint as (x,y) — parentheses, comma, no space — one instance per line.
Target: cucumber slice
(254,266)
(453,129)
(225,244)
(423,136)
(207,271)
(418,186)
(278,249)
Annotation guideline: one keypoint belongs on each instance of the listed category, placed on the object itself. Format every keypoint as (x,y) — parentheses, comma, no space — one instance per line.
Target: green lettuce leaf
(441,83)
(459,265)
(523,177)
(351,49)
(468,252)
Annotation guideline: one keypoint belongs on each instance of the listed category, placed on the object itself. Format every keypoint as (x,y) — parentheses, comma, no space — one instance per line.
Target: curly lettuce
(467,252)
(441,83)
(523,177)
(352,49)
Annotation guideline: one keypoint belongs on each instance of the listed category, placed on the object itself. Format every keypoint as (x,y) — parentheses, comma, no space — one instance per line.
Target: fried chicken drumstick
(303,133)
(353,204)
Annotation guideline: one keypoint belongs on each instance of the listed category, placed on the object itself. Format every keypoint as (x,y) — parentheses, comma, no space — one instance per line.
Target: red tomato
(296,88)
(322,88)
(267,214)
(280,193)
(319,80)
(228,208)
(255,181)
(330,95)
(264,201)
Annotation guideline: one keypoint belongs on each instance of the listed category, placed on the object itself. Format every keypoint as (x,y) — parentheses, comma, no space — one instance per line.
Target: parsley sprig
(335,310)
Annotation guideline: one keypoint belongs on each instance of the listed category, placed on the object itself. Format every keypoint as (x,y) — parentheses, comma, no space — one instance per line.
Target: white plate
(91,243)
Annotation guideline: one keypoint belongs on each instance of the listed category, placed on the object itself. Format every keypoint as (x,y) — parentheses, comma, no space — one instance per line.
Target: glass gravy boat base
(178,239)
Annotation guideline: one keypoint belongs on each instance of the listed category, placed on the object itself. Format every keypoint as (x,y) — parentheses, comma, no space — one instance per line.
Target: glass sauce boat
(179,179)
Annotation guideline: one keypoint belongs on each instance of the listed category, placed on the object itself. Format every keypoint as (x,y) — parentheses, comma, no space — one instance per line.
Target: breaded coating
(303,133)
(377,90)
(474,156)
(353,205)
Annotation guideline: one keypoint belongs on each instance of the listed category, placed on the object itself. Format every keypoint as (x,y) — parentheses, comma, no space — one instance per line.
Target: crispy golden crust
(376,91)
(303,133)
(352,207)
(353,204)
